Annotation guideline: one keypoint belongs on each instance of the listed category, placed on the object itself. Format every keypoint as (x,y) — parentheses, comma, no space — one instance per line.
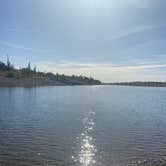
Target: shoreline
(30,83)
(40,82)
(139,84)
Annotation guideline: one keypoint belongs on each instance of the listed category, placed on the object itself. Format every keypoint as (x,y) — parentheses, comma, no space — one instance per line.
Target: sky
(111,40)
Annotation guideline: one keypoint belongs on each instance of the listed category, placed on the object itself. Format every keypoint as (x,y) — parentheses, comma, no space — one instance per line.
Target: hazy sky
(112,40)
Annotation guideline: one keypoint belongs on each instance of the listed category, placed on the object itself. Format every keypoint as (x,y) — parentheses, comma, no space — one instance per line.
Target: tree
(29,66)
(3,66)
(8,63)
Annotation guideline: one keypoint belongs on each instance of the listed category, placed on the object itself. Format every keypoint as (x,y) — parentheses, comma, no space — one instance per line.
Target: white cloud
(25,48)
(134,30)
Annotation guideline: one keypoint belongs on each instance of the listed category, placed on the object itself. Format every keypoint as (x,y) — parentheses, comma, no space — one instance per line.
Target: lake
(82,125)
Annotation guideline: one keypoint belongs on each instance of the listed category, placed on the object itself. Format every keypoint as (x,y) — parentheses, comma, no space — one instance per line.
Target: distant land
(28,77)
(139,83)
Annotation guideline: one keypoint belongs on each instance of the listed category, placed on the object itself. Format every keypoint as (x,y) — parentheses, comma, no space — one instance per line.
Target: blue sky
(112,40)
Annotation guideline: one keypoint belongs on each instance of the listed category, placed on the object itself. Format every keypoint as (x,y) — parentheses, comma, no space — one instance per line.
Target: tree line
(8,70)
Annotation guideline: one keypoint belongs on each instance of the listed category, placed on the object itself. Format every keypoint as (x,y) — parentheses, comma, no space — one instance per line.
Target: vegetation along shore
(28,77)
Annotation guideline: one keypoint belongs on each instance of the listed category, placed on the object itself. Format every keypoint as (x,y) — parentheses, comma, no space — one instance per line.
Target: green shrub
(10,75)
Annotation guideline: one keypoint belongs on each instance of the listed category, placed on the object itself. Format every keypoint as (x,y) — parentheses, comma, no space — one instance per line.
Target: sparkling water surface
(82,125)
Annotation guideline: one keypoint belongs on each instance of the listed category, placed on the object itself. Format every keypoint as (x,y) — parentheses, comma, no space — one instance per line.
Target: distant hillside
(138,83)
(10,76)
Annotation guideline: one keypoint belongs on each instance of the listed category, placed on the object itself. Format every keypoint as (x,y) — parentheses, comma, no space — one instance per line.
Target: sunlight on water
(87,151)
(87,148)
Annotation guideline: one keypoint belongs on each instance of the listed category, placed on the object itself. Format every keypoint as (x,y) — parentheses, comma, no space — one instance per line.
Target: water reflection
(86,156)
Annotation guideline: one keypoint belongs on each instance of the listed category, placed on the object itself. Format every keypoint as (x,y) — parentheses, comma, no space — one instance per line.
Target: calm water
(81,126)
